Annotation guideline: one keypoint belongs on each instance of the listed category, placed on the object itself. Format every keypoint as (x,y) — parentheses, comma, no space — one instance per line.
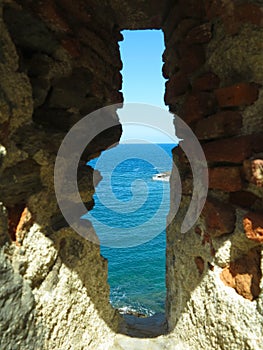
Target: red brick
(198,105)
(219,217)
(227,179)
(232,150)
(242,94)
(243,198)
(208,81)
(253,226)
(251,13)
(191,57)
(222,124)
(177,85)
(200,34)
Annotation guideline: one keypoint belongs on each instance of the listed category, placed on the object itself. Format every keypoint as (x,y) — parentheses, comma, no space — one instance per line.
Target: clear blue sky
(141,54)
(143,82)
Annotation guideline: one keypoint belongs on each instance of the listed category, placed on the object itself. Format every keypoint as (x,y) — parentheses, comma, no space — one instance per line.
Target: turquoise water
(130,212)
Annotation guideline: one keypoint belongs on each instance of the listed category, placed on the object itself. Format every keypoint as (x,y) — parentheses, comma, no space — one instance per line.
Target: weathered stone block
(242,94)
(221,124)
(198,105)
(231,150)
(206,82)
(219,217)
(243,198)
(227,179)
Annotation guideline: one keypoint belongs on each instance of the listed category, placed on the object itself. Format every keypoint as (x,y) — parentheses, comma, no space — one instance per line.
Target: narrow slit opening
(134,189)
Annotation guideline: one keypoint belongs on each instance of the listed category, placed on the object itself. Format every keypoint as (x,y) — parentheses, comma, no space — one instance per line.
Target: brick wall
(216,89)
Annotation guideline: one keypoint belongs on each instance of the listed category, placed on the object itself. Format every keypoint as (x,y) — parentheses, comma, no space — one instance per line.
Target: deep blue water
(130,217)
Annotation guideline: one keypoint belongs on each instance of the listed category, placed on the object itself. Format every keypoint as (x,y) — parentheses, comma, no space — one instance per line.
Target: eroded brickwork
(213,87)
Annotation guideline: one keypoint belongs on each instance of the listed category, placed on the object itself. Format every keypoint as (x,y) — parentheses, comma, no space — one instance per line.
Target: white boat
(162,177)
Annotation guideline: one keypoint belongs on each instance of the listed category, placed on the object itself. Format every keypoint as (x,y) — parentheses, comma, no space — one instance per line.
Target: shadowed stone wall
(58,62)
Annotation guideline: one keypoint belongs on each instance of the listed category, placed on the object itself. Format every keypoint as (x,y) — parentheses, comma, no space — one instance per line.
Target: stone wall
(59,60)
(213,60)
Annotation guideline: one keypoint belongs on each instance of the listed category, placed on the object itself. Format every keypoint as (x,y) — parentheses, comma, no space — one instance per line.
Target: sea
(129,217)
